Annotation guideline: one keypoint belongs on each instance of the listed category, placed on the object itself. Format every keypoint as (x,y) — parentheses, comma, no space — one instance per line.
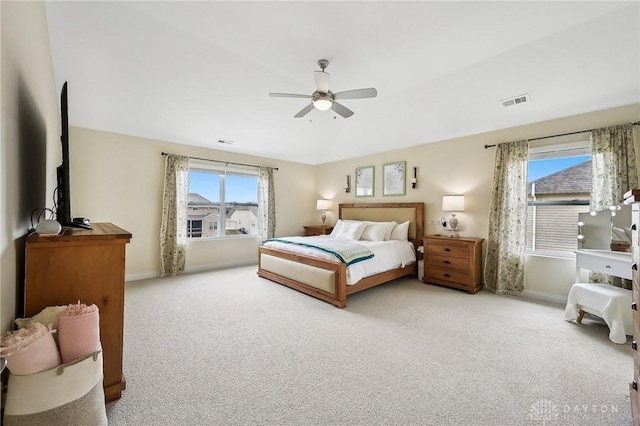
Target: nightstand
(317,230)
(453,262)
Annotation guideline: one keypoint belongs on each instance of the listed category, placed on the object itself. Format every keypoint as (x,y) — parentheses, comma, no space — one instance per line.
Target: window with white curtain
(558,188)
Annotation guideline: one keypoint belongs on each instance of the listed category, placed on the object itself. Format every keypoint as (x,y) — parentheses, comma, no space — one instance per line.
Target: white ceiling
(197,72)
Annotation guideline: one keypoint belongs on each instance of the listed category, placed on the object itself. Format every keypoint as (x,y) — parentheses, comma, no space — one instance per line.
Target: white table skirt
(612,304)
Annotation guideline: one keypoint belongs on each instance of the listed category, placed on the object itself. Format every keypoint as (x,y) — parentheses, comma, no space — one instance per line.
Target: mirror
(606,230)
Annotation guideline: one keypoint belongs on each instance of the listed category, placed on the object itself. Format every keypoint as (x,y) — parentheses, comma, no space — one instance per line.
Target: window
(226,199)
(194,228)
(559,187)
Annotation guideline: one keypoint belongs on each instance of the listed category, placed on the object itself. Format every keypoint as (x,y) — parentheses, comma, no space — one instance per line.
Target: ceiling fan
(323,98)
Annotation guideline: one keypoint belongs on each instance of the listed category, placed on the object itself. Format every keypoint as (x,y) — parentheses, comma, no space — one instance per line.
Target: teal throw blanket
(346,251)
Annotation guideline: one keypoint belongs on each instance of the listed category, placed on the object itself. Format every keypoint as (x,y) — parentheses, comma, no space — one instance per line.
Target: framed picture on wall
(365,181)
(394,178)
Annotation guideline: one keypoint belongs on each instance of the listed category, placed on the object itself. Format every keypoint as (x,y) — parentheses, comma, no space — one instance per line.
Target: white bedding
(387,255)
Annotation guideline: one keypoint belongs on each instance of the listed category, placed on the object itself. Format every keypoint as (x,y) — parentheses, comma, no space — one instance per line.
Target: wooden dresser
(317,230)
(86,266)
(453,262)
(633,197)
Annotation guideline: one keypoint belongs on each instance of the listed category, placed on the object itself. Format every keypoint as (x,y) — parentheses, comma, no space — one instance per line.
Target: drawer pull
(634,385)
(633,227)
(447,262)
(634,345)
(634,266)
(634,306)
(447,249)
(607,267)
(447,275)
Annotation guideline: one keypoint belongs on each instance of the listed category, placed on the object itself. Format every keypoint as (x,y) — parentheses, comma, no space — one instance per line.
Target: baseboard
(547,297)
(193,270)
(207,268)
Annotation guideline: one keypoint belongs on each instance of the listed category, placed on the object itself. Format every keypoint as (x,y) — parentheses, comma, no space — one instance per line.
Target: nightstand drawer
(446,262)
(310,231)
(452,250)
(448,275)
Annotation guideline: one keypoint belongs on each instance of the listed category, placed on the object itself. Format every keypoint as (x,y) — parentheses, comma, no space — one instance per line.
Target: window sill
(552,254)
(225,238)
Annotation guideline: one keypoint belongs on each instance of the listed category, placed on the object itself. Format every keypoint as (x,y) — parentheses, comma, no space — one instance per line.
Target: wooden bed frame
(310,270)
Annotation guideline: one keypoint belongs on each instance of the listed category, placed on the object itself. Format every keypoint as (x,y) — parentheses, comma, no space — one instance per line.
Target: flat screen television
(63,190)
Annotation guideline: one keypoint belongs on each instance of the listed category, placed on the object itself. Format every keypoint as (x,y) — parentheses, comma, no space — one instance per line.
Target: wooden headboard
(387,212)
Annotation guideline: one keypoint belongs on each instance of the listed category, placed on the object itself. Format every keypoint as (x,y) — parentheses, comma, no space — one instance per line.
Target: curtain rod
(220,161)
(561,134)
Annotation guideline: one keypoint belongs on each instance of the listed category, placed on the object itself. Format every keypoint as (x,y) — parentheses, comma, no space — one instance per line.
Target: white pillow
(400,232)
(351,230)
(336,228)
(377,231)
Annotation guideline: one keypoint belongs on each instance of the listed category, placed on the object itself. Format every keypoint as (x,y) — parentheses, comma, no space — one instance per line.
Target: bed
(327,279)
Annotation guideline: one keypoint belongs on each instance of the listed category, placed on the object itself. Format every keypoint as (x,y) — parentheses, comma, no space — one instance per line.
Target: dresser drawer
(452,250)
(447,262)
(448,275)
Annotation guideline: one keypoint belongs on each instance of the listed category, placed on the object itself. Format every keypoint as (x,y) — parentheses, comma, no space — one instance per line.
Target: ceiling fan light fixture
(322,104)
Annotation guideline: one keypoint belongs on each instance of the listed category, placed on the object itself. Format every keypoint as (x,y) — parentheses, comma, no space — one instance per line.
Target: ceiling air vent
(516,100)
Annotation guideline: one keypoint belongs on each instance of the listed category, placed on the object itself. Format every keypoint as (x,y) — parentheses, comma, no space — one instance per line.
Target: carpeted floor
(230,348)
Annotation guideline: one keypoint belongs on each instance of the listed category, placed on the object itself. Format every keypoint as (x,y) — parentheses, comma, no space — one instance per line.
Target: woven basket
(69,395)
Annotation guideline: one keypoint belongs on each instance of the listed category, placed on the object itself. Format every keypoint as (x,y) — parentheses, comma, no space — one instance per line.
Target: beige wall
(464,166)
(29,124)
(118,178)
(109,171)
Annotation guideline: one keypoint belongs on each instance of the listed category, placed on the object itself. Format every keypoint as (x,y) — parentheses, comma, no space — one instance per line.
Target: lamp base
(453,223)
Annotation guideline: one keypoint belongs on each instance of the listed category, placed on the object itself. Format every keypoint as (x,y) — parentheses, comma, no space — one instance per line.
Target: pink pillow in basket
(30,350)
(78,331)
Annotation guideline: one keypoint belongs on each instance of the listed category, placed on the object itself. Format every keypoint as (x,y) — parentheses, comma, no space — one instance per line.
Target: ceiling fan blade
(356,94)
(288,95)
(341,109)
(322,81)
(304,111)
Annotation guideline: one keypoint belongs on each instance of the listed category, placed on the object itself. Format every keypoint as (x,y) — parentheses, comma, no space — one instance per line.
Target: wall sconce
(323,205)
(347,185)
(452,203)
(414,180)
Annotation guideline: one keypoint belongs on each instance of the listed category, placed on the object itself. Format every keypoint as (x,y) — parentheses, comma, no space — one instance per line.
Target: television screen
(63,205)
(63,190)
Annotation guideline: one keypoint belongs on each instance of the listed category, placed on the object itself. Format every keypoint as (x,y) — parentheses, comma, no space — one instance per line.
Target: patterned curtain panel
(506,242)
(173,230)
(614,171)
(614,166)
(268,203)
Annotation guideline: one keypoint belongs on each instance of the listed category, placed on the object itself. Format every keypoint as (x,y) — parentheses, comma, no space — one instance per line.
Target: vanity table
(597,253)
(616,263)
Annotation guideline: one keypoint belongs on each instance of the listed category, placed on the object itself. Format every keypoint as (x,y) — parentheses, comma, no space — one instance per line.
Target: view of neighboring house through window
(223,202)
(559,187)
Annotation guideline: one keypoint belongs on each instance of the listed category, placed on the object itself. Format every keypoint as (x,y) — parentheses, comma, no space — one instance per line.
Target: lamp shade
(453,203)
(323,205)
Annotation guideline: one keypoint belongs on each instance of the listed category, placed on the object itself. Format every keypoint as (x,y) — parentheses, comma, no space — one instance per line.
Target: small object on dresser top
(48,227)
